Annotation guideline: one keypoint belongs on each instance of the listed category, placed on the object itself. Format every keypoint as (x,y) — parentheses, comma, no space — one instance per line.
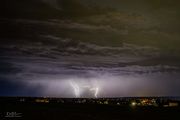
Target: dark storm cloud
(48,77)
(9,83)
(16,88)
(6,67)
(50,45)
(53,3)
(123,48)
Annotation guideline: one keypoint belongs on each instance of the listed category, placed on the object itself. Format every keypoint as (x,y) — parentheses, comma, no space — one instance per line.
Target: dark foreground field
(43,111)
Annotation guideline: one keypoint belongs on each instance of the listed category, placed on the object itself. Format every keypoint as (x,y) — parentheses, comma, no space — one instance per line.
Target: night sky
(89,48)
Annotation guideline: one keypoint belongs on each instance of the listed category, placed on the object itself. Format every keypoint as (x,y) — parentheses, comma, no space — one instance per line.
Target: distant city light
(133,104)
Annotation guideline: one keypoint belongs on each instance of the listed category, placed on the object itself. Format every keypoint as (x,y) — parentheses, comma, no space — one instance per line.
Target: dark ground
(33,111)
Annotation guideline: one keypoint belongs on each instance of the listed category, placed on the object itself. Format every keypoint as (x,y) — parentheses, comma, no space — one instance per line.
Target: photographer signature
(11,115)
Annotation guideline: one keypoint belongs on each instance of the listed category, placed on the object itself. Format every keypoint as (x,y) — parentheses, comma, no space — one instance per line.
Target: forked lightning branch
(79,88)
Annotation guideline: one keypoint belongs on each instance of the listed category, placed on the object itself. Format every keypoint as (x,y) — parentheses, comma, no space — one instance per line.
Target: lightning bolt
(96,91)
(76,88)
